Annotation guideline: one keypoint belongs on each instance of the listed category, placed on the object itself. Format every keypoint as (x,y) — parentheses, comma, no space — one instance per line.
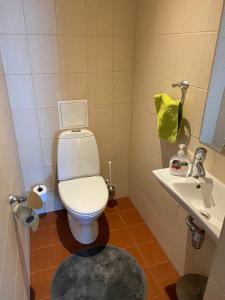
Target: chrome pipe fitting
(18,199)
(198,234)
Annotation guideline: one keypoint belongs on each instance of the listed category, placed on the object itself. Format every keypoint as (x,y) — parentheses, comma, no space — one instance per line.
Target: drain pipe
(198,234)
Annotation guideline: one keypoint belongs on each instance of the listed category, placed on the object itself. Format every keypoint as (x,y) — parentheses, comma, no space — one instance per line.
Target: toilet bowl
(85,199)
(83,191)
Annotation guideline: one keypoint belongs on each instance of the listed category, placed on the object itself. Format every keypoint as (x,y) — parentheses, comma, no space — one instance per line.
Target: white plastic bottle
(179,164)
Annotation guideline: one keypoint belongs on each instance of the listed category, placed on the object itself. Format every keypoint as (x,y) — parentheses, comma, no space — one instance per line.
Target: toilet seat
(84,196)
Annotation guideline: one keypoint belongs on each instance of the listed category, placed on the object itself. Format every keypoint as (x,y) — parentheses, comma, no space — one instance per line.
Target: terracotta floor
(120,225)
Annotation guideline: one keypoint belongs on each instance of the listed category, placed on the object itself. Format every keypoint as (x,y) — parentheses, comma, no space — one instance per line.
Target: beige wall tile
(74,86)
(20,97)
(143,59)
(32,178)
(100,87)
(218,167)
(15,55)
(47,90)
(44,53)
(99,53)
(104,144)
(145,17)
(104,170)
(189,15)
(40,16)
(121,115)
(50,179)
(198,50)
(124,17)
(123,54)
(120,166)
(72,50)
(49,151)
(122,86)
(26,125)
(54,202)
(99,17)
(70,16)
(121,187)
(213,291)
(143,91)
(48,123)
(207,19)
(30,154)
(100,117)
(120,143)
(11,17)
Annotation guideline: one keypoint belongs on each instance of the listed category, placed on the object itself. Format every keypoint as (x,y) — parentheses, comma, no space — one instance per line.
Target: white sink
(203,199)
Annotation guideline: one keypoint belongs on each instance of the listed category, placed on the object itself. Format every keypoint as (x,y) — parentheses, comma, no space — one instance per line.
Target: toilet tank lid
(75,133)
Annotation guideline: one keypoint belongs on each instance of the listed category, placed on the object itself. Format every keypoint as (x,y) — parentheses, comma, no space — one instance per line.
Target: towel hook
(183,85)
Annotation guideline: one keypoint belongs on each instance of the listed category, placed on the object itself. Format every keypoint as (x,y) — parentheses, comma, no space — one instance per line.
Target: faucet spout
(200,170)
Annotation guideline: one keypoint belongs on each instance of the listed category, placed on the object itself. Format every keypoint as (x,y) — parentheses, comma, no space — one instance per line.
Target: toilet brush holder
(111,187)
(112,191)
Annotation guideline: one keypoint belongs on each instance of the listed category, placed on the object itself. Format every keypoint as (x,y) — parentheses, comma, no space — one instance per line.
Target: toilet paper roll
(41,191)
(26,216)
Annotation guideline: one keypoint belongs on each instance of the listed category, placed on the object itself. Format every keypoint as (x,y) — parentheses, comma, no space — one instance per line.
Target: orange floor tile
(121,225)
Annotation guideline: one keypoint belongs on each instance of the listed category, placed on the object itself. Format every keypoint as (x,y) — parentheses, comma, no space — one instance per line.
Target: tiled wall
(14,239)
(172,44)
(216,284)
(69,49)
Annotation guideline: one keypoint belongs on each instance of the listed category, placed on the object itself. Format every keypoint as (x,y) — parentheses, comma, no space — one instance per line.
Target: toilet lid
(84,195)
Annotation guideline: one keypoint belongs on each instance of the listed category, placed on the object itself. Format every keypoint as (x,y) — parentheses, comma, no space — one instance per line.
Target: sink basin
(203,198)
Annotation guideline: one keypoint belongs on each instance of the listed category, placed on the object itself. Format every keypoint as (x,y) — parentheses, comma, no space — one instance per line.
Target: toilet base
(84,231)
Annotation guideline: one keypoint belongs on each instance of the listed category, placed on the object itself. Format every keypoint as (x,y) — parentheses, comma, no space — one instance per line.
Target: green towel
(169,117)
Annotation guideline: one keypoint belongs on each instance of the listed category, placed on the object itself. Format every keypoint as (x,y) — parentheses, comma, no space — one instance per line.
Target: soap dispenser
(179,163)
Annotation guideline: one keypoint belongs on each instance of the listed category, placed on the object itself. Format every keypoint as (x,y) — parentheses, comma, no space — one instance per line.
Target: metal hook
(183,85)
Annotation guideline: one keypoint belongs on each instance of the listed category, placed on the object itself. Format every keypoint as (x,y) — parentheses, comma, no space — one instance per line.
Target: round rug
(100,273)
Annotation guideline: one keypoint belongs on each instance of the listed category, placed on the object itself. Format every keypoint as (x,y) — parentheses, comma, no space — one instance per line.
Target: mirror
(213,125)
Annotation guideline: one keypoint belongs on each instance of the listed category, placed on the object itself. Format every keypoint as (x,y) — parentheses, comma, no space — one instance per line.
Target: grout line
(68,72)
(177,33)
(167,79)
(70,34)
(47,269)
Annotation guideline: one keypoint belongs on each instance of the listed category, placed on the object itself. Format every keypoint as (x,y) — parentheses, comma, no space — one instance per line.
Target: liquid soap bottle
(179,163)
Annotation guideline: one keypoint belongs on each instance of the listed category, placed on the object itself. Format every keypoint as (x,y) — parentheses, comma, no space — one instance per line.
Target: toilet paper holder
(19,199)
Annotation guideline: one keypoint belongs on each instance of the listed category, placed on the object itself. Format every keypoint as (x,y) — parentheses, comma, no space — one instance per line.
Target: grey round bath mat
(100,273)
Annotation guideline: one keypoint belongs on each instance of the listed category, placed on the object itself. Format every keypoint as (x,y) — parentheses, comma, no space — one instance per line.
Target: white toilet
(83,191)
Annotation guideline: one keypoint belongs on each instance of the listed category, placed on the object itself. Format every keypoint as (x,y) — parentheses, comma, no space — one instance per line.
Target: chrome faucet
(197,169)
